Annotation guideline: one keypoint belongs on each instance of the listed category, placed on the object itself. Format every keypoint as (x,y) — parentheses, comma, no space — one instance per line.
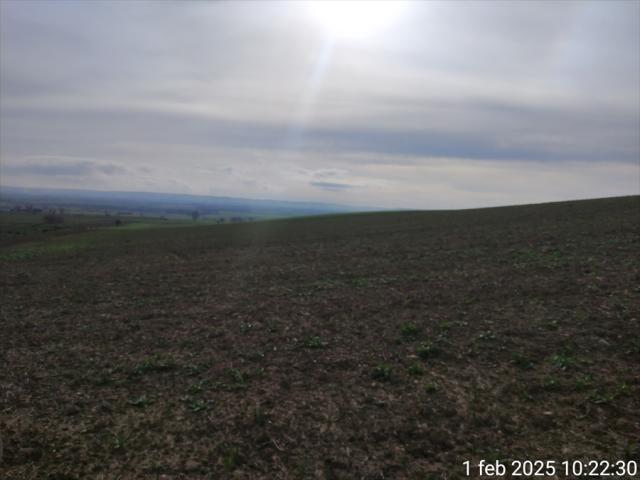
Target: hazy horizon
(351,208)
(428,105)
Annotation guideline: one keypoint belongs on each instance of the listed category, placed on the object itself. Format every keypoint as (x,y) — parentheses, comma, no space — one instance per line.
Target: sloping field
(387,345)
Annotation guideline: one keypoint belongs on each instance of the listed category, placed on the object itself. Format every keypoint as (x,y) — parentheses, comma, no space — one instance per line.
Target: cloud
(484,131)
(334,187)
(330,172)
(250,99)
(59,166)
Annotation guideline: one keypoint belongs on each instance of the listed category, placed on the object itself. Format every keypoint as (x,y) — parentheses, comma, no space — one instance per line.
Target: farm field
(30,228)
(370,346)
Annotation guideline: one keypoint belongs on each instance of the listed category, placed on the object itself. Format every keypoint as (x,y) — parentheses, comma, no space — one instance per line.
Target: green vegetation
(415,369)
(154,363)
(521,360)
(431,387)
(381,372)
(426,350)
(563,361)
(141,401)
(410,330)
(230,458)
(314,342)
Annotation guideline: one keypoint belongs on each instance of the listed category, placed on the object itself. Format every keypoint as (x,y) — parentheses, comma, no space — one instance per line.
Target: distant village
(56,214)
(28,208)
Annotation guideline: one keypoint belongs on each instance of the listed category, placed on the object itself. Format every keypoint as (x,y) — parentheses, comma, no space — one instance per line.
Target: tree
(52,217)
(195,215)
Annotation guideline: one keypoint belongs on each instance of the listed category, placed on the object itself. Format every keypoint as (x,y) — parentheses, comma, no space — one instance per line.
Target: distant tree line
(54,216)
(195,215)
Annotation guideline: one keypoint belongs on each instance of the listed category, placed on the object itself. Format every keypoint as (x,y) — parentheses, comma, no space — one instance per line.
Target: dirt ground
(369,346)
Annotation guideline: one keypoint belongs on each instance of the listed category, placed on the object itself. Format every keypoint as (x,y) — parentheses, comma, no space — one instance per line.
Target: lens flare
(353,19)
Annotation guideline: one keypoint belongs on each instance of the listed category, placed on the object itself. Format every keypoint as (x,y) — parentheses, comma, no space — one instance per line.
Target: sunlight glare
(355,19)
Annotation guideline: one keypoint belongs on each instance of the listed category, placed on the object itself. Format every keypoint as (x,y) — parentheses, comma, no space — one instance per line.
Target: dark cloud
(335,187)
(520,133)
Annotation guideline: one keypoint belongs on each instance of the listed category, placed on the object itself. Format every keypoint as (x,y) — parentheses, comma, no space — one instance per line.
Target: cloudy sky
(415,105)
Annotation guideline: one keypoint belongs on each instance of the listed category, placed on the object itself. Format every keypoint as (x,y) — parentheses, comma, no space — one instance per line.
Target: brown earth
(370,346)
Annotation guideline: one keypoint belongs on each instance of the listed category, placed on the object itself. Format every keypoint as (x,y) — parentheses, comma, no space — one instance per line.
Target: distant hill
(166,203)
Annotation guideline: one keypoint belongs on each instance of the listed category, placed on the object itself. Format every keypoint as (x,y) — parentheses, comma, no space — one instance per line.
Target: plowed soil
(368,346)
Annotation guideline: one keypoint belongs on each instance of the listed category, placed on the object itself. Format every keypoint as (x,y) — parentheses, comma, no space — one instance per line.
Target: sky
(425,105)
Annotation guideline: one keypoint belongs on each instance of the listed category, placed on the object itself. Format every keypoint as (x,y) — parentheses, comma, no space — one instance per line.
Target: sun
(355,19)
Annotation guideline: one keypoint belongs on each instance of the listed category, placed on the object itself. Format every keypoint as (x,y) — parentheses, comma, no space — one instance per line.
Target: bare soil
(369,346)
